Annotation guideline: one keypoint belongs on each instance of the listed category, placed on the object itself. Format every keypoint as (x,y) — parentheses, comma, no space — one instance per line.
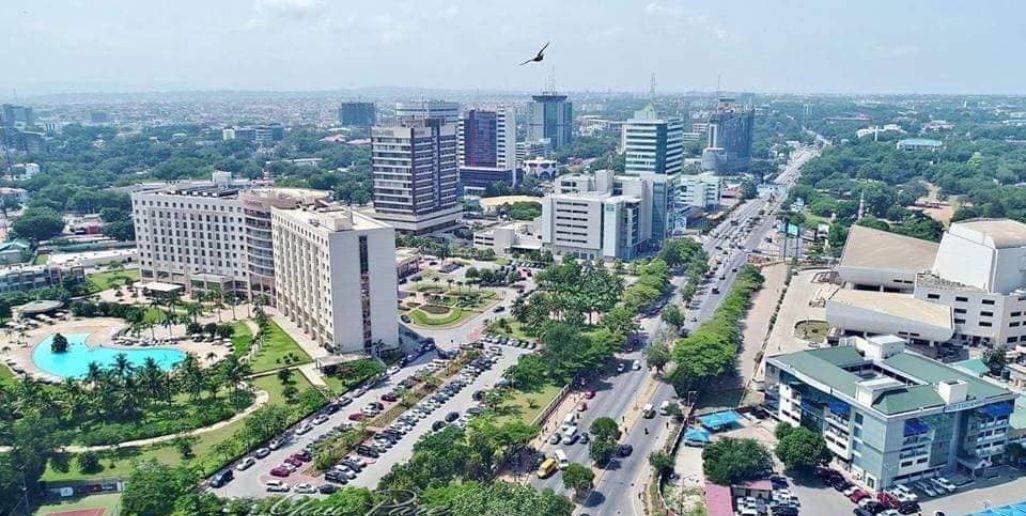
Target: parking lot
(253,480)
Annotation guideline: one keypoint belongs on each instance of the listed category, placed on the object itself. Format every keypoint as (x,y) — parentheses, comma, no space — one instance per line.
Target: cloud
(903,51)
(658,8)
(267,12)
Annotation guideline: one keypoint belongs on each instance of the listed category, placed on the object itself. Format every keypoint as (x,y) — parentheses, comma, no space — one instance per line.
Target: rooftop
(996,233)
(336,218)
(876,249)
(916,377)
(903,306)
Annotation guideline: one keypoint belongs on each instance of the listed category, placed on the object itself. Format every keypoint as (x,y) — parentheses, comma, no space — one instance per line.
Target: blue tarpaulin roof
(915,426)
(697,435)
(997,409)
(720,420)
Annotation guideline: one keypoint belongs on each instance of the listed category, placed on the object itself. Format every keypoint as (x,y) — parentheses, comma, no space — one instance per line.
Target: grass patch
(511,328)
(6,375)
(108,502)
(525,406)
(421,318)
(435,309)
(41,259)
(815,331)
(241,339)
(429,287)
(118,463)
(276,346)
(102,280)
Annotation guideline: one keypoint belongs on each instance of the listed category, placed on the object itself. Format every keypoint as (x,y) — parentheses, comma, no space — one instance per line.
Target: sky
(813,46)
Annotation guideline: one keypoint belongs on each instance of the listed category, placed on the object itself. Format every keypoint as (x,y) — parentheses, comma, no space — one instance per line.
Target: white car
(320,419)
(637,365)
(303,429)
(276,486)
(926,487)
(275,444)
(245,464)
(944,484)
(392,370)
(305,488)
(350,474)
(262,452)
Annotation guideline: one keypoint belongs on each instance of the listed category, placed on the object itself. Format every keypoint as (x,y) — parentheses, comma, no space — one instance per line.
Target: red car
(589,394)
(280,472)
(888,500)
(858,495)
(389,396)
(303,455)
(294,461)
(357,416)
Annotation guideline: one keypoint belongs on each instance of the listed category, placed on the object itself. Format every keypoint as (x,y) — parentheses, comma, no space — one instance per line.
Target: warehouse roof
(904,306)
(876,249)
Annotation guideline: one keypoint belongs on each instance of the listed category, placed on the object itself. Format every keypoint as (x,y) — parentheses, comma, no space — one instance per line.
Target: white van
(561,459)
(570,419)
(664,408)
(648,411)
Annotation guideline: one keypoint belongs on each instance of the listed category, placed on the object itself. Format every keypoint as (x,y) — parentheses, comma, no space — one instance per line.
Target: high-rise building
(16,116)
(550,117)
(729,143)
(339,282)
(357,114)
(437,109)
(651,144)
(415,174)
(486,148)
(98,116)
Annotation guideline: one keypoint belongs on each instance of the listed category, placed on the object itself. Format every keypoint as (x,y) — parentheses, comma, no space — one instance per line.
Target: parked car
(589,394)
(858,495)
(357,416)
(452,416)
(276,486)
(275,444)
(262,452)
(221,478)
(280,471)
(304,488)
(245,464)
(327,489)
(943,483)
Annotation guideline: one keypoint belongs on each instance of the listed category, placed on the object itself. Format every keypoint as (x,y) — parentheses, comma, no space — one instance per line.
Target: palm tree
(218,296)
(121,365)
(93,374)
(233,300)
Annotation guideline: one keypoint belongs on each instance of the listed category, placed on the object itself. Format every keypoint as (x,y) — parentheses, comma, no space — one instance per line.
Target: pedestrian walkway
(312,373)
(311,347)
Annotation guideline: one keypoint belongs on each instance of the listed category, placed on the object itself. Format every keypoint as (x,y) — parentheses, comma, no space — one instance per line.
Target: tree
(39,224)
(658,355)
(88,462)
(601,451)
(184,444)
(996,358)
(604,428)
(152,487)
(661,461)
(802,449)
(731,461)
(749,190)
(673,316)
(578,478)
(484,499)
(529,373)
(59,344)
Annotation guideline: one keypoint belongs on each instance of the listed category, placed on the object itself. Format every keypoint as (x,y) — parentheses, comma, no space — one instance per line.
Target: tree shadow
(594,499)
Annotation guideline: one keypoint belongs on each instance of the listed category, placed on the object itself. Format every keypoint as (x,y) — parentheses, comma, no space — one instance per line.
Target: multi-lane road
(619,485)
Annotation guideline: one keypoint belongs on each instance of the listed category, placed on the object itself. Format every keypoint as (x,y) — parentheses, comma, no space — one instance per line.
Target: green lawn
(518,406)
(516,330)
(118,463)
(422,318)
(241,339)
(276,346)
(101,280)
(41,259)
(109,502)
(6,375)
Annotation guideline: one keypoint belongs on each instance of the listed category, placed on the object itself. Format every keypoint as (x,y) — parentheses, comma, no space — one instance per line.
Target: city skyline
(311,45)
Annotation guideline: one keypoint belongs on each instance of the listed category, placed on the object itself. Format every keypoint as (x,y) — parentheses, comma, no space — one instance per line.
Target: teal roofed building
(15,251)
(891,415)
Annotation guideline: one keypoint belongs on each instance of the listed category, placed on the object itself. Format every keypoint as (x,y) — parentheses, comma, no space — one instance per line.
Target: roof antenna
(651,90)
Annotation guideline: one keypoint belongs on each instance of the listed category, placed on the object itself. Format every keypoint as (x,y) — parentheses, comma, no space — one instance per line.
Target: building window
(961,299)
(988,302)
(986,314)
(960,310)
(985,324)
(959,321)
(933,296)
(858,419)
(1015,314)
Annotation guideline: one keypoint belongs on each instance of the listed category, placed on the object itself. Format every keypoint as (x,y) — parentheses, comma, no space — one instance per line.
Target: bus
(561,459)
(547,468)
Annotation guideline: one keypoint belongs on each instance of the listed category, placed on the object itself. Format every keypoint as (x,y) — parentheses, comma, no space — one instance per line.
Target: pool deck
(100,332)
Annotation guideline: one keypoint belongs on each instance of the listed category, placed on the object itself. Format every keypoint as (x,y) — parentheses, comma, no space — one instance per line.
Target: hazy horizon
(778,46)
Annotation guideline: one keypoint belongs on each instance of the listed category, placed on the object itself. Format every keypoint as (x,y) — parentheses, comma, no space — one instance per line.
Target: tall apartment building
(729,143)
(597,216)
(339,281)
(700,190)
(550,117)
(437,109)
(17,116)
(889,415)
(970,289)
(415,175)
(486,148)
(357,114)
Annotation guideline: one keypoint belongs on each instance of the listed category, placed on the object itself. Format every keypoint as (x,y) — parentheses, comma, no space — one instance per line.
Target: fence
(551,407)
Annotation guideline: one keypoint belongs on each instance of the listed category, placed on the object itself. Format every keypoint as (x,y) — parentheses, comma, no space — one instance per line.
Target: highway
(618,487)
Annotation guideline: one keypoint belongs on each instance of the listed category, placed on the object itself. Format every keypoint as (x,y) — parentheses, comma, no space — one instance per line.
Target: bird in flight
(538,58)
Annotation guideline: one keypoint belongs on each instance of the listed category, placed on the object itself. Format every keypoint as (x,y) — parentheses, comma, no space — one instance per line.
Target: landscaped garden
(276,349)
(109,279)
(815,331)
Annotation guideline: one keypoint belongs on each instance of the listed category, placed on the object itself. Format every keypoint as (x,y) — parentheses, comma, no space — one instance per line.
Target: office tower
(260,134)
(338,283)
(652,144)
(357,114)
(486,148)
(550,117)
(99,117)
(415,174)
(16,116)
(729,143)
(437,109)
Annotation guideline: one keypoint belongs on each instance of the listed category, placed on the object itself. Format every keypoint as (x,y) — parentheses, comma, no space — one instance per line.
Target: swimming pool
(75,363)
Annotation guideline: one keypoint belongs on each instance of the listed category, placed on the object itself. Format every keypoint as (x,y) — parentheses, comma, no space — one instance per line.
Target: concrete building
(486,149)
(915,144)
(890,415)
(17,116)
(437,109)
(529,150)
(507,239)
(598,216)
(541,168)
(700,190)
(550,117)
(415,175)
(259,134)
(357,114)
(339,281)
(729,138)
(23,277)
(975,274)
(652,145)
